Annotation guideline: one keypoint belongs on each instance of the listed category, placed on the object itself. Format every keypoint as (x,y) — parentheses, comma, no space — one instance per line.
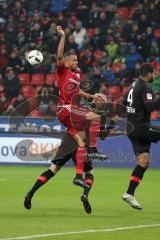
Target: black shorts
(66,151)
(141,142)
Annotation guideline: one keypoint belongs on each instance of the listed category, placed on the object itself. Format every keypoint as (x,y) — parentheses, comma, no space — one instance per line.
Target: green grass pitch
(56,207)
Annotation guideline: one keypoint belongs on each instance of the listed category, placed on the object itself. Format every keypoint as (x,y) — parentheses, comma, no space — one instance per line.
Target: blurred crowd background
(111,37)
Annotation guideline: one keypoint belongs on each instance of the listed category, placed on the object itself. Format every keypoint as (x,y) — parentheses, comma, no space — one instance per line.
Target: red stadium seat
(50,79)
(1,87)
(158,66)
(37,89)
(157,33)
(37,79)
(125,90)
(132,11)
(2,94)
(98,54)
(107,94)
(116,68)
(115,91)
(27,91)
(2,35)
(123,12)
(36,113)
(24,78)
(115,103)
(154,115)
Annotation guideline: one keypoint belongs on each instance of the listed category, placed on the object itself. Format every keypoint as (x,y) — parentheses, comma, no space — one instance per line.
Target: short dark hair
(145,69)
(69,53)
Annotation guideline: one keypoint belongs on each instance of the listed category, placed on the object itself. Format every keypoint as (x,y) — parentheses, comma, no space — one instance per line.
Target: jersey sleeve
(61,69)
(148,100)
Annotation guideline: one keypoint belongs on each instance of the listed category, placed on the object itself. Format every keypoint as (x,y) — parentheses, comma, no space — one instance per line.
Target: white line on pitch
(81,232)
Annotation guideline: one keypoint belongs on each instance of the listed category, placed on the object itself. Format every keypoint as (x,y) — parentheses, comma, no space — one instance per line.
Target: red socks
(80,159)
(94,129)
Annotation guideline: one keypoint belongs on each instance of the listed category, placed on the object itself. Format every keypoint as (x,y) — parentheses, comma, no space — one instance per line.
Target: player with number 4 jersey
(140,103)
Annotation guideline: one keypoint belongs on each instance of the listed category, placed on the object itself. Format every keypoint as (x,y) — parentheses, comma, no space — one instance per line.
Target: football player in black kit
(139,105)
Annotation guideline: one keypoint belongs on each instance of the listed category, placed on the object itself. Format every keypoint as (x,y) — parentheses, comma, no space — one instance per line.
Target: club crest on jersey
(149,96)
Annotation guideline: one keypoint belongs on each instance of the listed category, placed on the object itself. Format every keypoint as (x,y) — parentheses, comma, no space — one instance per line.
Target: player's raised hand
(116,118)
(99,97)
(60,31)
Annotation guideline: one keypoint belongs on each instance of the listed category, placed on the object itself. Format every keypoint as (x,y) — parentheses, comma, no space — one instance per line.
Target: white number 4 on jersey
(130,97)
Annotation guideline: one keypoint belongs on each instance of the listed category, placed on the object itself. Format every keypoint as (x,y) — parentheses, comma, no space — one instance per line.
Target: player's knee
(81,144)
(54,168)
(79,141)
(143,160)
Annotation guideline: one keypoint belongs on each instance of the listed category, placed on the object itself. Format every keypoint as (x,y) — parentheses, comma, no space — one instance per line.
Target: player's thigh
(65,150)
(141,151)
(59,162)
(79,138)
(78,117)
(139,146)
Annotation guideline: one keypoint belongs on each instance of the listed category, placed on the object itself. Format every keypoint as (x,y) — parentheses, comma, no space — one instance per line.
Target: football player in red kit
(69,113)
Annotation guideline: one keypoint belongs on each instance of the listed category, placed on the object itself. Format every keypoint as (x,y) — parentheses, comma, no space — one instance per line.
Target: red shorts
(73,117)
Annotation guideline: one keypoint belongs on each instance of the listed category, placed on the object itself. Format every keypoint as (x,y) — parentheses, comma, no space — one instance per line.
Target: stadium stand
(112,38)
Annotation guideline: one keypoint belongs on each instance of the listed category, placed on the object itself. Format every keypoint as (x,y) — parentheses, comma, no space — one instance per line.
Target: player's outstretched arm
(60,51)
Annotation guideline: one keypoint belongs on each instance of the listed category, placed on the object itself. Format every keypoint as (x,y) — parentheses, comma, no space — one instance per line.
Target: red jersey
(68,83)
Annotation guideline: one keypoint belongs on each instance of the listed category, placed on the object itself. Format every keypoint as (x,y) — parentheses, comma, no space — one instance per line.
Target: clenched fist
(60,31)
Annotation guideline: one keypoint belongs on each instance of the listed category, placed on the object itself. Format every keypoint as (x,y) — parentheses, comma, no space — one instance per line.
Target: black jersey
(139,105)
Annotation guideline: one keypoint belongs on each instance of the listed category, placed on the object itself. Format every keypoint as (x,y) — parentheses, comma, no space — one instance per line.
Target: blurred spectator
(143,23)
(94,14)
(13,104)
(132,58)
(80,35)
(71,44)
(98,41)
(58,6)
(156,82)
(11,83)
(86,60)
(61,21)
(111,48)
(35,32)
(82,12)
(108,75)
(3,57)
(141,45)
(96,79)
(102,22)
